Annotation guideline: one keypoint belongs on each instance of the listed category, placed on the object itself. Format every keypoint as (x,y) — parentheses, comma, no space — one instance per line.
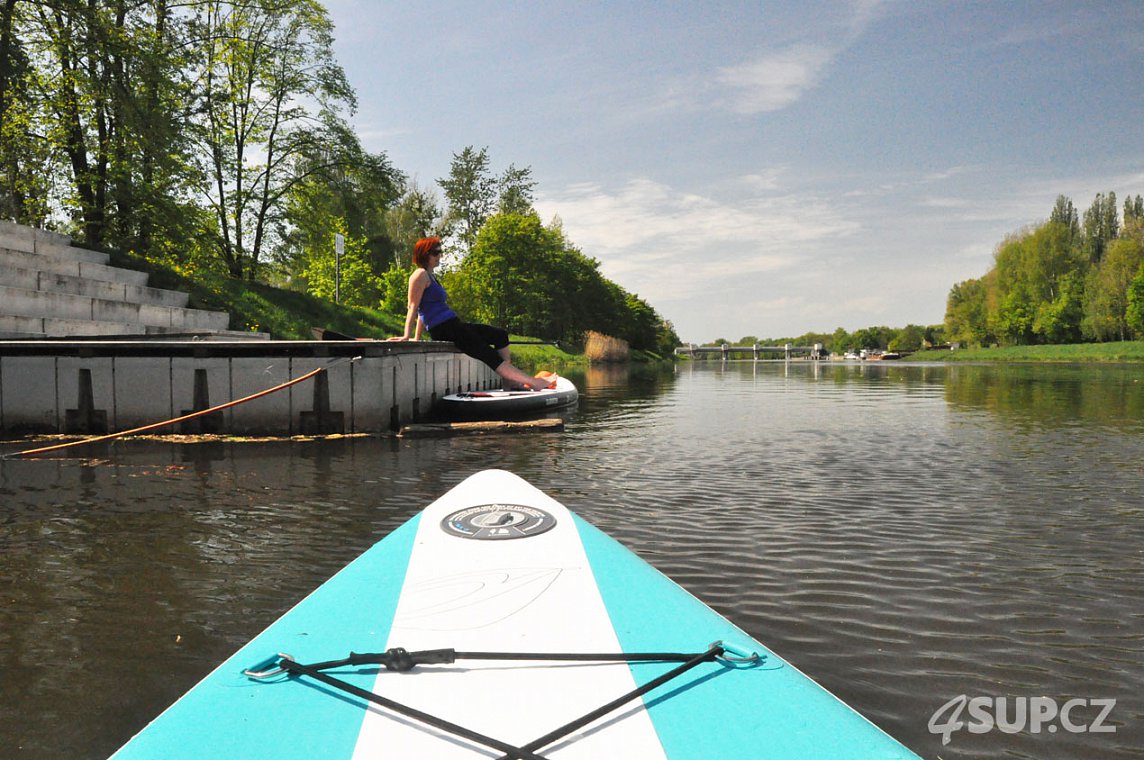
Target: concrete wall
(111,386)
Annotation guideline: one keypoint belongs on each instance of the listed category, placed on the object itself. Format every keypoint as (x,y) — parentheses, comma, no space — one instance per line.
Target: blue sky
(767,168)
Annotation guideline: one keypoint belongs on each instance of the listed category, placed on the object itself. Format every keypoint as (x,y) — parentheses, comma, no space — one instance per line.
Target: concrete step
(22,302)
(39,327)
(88,270)
(53,282)
(28,239)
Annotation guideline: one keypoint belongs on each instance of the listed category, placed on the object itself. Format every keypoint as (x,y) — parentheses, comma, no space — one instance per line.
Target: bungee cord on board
(183,418)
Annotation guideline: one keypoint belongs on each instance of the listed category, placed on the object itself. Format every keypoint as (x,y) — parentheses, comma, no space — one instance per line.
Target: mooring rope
(191,416)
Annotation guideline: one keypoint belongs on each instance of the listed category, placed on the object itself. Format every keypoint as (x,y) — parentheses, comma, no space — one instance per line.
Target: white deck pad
(527,594)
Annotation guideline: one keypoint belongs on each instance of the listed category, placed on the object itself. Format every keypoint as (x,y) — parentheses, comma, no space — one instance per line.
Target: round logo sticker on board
(498,522)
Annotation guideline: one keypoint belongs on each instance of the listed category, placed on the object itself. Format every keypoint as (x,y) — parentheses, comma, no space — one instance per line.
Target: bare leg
(520,379)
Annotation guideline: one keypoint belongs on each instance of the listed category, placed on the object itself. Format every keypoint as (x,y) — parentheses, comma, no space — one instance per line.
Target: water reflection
(903,533)
(1065,396)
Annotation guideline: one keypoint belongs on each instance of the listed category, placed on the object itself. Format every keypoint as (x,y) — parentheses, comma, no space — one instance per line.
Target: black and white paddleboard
(497,404)
(497,624)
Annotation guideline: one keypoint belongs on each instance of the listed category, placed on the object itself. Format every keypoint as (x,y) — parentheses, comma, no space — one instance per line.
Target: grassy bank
(1124,351)
(290,315)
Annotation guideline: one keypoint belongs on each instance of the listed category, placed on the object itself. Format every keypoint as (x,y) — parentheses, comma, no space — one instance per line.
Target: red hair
(423,249)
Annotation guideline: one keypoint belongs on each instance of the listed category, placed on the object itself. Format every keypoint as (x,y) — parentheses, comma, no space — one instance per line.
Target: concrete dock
(105,386)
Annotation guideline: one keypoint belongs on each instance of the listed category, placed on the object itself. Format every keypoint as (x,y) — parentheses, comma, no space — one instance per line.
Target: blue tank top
(433,309)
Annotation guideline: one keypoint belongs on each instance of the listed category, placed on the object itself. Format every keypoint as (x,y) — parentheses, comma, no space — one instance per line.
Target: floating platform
(482,427)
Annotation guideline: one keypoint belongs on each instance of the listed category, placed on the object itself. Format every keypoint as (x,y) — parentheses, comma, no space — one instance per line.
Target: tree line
(1070,279)
(210,135)
(1073,278)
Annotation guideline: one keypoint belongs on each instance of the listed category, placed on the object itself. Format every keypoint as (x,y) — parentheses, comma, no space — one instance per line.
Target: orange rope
(155,425)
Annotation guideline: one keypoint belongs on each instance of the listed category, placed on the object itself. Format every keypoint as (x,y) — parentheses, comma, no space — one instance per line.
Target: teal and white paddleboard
(495,568)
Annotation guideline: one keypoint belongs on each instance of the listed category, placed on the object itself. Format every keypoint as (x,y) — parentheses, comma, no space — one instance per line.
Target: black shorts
(478,341)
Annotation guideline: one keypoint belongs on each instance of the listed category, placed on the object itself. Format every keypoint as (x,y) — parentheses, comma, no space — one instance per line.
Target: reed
(604,348)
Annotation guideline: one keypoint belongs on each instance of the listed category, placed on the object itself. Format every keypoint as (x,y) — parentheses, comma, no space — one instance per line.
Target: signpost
(339,249)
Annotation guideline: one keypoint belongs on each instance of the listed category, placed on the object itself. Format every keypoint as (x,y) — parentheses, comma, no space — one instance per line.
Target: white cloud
(774,80)
(668,245)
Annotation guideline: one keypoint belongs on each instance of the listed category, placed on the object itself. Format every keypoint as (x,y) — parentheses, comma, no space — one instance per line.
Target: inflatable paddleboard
(498,404)
(497,624)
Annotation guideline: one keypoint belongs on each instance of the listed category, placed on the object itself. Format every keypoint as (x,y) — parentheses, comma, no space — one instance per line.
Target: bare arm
(418,281)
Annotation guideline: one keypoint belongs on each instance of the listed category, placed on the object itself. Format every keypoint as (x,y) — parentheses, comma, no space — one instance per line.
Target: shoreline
(1121,352)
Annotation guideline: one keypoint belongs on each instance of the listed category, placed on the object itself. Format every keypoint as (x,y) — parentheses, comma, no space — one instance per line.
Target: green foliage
(209,140)
(967,312)
(416,215)
(528,278)
(1101,225)
(1106,291)
(1058,320)
(271,101)
(394,286)
(352,281)
(1134,316)
(1055,283)
(471,193)
(909,338)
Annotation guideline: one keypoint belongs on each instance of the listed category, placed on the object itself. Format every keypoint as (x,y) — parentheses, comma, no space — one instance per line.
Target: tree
(471,193)
(909,338)
(1059,320)
(528,278)
(272,96)
(1101,225)
(1134,315)
(348,191)
(416,215)
(967,312)
(1064,213)
(1106,290)
(1133,210)
(516,187)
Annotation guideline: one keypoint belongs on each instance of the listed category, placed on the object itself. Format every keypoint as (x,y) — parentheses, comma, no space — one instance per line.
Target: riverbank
(1130,351)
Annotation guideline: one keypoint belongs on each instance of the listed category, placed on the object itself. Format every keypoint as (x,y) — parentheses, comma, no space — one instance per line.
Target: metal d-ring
(733,654)
(259,672)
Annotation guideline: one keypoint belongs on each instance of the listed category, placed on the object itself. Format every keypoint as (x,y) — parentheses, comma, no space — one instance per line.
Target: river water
(955,551)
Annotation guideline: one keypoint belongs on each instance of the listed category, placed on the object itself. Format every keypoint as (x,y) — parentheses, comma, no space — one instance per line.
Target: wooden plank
(484,427)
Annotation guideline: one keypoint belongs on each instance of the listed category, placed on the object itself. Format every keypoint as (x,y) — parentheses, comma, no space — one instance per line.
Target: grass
(1119,351)
(255,307)
(290,315)
(533,358)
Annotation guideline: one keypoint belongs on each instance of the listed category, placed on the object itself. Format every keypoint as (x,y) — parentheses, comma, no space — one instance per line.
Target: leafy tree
(1064,213)
(967,312)
(840,341)
(516,191)
(272,96)
(1059,320)
(909,338)
(471,193)
(1101,225)
(1134,315)
(1133,210)
(1106,291)
(530,279)
(351,281)
(348,192)
(25,161)
(416,215)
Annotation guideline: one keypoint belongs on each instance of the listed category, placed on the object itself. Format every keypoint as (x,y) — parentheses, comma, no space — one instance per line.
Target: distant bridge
(756,351)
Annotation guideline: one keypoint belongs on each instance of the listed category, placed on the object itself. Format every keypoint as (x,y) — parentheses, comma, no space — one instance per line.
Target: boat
(497,623)
(498,404)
